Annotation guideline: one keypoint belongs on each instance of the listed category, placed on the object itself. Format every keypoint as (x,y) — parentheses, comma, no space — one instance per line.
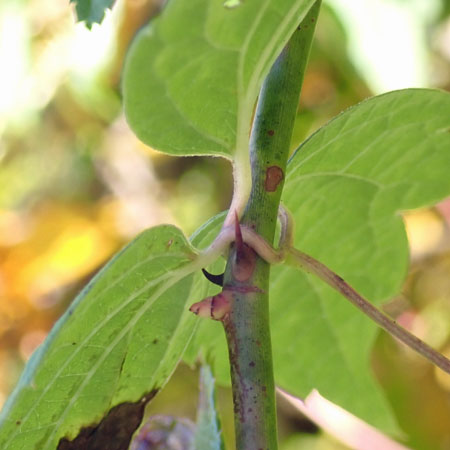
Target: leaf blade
(329,340)
(192,76)
(117,343)
(346,186)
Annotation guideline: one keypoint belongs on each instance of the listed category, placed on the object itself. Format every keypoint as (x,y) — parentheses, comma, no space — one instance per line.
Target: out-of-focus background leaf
(76,184)
(91,11)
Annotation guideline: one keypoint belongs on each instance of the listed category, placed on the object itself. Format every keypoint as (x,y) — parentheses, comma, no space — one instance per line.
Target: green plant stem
(247,324)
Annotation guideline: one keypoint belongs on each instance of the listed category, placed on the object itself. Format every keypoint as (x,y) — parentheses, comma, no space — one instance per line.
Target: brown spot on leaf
(271,132)
(115,430)
(274,175)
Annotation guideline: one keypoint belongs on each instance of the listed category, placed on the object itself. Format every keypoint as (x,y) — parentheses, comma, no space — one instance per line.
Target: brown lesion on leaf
(274,176)
(114,431)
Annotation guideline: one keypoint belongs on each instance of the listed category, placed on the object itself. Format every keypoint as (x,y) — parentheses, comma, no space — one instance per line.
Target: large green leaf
(192,76)
(112,350)
(346,187)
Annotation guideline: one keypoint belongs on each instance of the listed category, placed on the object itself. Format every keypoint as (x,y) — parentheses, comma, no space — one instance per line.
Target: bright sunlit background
(75,184)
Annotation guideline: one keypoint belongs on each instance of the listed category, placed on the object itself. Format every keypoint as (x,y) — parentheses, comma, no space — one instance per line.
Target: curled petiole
(308,263)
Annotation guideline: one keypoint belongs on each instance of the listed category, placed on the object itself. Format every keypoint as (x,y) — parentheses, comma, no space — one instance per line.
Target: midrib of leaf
(242,168)
(246,105)
(244,49)
(172,278)
(255,79)
(247,98)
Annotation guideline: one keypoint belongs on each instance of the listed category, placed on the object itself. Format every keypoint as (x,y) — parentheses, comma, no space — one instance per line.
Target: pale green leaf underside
(345,187)
(120,339)
(208,435)
(192,76)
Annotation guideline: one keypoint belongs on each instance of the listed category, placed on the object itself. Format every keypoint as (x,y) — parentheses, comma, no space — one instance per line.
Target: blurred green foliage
(91,11)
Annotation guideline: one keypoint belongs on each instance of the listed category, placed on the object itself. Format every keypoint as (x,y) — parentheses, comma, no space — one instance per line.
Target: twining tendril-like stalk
(288,254)
(304,261)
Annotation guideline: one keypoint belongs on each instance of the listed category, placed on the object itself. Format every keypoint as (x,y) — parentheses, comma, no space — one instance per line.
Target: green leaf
(208,434)
(346,187)
(91,11)
(192,76)
(113,349)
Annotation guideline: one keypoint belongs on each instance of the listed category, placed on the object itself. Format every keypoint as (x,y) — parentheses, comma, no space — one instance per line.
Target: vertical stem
(247,276)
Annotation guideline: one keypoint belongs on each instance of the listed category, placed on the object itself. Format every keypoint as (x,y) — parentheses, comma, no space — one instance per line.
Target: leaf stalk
(304,261)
